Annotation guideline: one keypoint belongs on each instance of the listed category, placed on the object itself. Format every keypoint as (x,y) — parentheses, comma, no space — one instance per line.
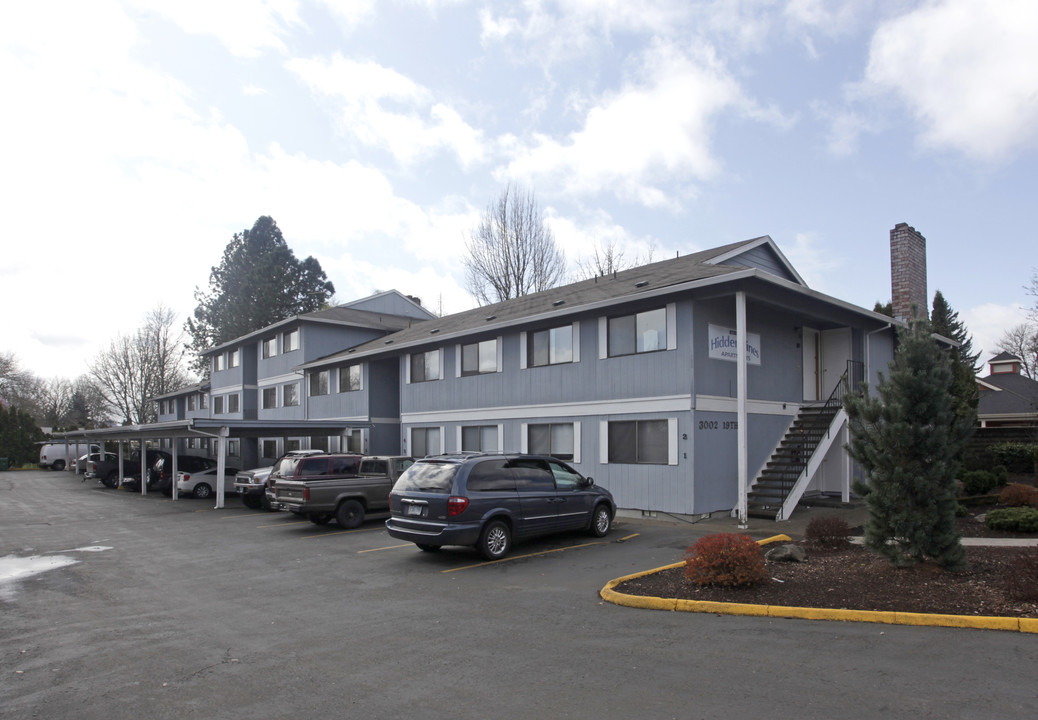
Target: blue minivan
(489,500)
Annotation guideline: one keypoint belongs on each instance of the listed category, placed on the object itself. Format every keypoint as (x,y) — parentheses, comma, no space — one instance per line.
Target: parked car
(132,468)
(82,464)
(343,487)
(163,468)
(489,500)
(202,483)
(58,456)
(251,485)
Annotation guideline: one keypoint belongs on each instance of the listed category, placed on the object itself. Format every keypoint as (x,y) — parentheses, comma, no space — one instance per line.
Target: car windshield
(427,477)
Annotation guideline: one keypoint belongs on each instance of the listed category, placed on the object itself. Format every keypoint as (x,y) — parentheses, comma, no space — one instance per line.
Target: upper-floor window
(638,333)
(234,358)
(290,341)
(270,398)
(218,405)
(290,394)
(219,362)
(270,347)
(319,380)
(349,378)
(478,358)
(550,347)
(203,401)
(425,366)
(190,402)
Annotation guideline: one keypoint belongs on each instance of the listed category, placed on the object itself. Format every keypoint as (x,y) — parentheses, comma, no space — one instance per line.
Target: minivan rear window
(427,477)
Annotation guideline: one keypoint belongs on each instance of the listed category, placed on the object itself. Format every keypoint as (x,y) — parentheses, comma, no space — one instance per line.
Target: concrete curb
(1027,625)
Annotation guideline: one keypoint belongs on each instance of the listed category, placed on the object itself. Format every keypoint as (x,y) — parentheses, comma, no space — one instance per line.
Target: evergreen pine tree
(907,440)
(944,321)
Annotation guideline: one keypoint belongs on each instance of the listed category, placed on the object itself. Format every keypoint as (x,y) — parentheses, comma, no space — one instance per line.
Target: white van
(58,456)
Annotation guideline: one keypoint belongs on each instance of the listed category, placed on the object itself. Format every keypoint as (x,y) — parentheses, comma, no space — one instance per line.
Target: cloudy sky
(137,136)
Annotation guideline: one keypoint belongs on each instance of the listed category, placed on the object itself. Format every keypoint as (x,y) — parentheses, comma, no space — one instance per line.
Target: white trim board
(668,404)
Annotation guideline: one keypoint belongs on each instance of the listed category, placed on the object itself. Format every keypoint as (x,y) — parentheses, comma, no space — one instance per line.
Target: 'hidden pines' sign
(724,346)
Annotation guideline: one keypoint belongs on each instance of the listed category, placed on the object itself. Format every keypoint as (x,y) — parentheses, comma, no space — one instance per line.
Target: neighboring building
(1007,398)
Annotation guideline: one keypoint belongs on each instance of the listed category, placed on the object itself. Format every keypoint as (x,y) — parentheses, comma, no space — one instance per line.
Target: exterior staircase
(798,455)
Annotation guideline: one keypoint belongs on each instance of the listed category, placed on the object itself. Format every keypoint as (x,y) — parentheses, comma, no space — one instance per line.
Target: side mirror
(589,481)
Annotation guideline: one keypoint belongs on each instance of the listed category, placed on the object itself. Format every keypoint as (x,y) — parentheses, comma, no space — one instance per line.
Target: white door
(811,365)
(836,351)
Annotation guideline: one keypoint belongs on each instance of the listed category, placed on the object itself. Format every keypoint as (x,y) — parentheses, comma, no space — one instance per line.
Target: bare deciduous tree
(513,251)
(1022,341)
(140,366)
(607,258)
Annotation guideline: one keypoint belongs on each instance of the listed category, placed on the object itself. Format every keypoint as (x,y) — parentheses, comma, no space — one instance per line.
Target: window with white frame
(353,441)
(234,358)
(639,442)
(555,439)
(219,362)
(425,441)
(270,398)
(269,448)
(425,366)
(234,447)
(234,403)
(190,402)
(290,341)
(293,444)
(638,333)
(479,358)
(349,378)
(550,347)
(203,401)
(290,395)
(270,347)
(480,438)
(319,380)
(218,405)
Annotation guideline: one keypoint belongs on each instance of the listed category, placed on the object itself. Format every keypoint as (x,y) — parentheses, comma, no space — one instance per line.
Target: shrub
(978,482)
(1014,519)
(1018,456)
(725,559)
(961,510)
(1019,495)
(1001,474)
(828,531)
(1022,580)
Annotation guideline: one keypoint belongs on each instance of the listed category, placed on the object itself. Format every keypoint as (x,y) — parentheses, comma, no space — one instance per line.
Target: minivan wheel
(496,540)
(601,521)
(350,514)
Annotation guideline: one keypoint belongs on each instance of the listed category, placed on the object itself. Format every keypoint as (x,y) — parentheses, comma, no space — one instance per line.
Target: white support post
(173,487)
(742,442)
(144,466)
(221,465)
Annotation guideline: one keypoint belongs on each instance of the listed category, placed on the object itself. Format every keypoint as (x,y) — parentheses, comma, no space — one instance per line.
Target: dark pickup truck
(322,488)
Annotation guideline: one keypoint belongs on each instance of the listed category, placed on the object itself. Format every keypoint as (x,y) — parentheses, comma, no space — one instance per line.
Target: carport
(220,430)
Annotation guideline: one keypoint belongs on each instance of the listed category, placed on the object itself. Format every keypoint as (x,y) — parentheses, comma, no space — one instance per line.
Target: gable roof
(1007,393)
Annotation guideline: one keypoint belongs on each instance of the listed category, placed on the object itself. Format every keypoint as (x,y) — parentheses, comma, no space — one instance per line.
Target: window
(293,444)
(270,398)
(270,448)
(290,341)
(642,332)
(349,378)
(234,403)
(550,347)
(479,358)
(319,382)
(234,358)
(639,441)
(352,442)
(190,402)
(565,478)
(203,401)
(554,439)
(319,442)
(491,476)
(425,441)
(479,438)
(270,347)
(234,447)
(219,362)
(425,366)
(290,395)
(218,405)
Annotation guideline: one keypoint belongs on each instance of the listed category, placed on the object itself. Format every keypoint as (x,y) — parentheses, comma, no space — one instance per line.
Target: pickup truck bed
(347,500)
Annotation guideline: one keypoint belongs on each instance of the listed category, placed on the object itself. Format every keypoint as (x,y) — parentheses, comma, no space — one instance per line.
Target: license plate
(414,510)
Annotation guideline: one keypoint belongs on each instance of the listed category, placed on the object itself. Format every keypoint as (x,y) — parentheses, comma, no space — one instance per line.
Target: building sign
(724,346)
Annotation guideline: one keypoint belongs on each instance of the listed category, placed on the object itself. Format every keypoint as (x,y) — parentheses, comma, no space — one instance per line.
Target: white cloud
(364,92)
(579,239)
(987,323)
(965,69)
(657,127)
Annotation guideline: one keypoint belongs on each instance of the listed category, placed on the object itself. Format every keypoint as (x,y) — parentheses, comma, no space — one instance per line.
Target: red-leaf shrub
(829,531)
(1019,495)
(725,559)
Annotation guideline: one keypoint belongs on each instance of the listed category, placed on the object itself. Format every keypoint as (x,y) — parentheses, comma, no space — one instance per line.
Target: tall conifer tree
(944,321)
(907,439)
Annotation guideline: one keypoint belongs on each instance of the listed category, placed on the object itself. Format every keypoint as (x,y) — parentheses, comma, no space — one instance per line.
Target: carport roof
(207,427)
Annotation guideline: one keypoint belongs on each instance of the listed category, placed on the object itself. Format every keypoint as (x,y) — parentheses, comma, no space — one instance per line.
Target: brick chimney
(908,272)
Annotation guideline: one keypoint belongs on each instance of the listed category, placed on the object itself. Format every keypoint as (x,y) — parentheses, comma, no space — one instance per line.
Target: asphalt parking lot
(174,610)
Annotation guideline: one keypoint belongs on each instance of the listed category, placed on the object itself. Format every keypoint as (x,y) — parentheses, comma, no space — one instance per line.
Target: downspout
(742,451)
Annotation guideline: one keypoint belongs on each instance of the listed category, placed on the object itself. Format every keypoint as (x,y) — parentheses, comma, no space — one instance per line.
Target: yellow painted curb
(609,594)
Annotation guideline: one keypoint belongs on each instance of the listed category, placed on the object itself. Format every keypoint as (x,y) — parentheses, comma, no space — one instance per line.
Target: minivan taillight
(456,505)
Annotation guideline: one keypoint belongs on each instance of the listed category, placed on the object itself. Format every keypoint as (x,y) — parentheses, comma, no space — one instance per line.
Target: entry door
(811,365)
(836,351)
